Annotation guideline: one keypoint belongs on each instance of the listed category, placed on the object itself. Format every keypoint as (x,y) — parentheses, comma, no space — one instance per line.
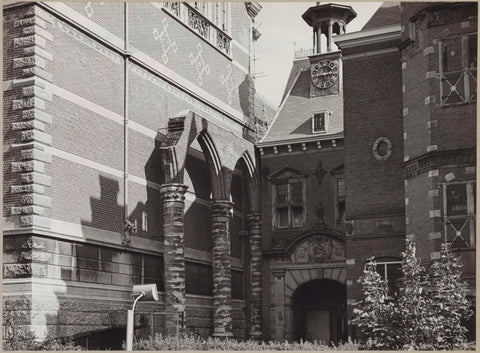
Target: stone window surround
(467,73)
(288,181)
(469,218)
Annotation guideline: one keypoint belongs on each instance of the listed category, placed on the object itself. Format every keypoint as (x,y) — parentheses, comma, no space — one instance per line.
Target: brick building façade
(375,138)
(129,158)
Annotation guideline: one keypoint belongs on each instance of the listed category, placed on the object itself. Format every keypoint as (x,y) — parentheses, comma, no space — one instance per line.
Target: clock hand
(321,74)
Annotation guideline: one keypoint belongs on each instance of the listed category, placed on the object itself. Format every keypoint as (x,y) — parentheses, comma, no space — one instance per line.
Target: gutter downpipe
(127,55)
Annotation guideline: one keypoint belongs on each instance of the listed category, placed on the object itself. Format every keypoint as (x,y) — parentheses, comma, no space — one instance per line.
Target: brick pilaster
(173,199)
(254,224)
(221,212)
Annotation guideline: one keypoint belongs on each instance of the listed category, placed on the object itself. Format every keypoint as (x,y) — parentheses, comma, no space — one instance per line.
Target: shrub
(188,342)
(424,314)
(21,338)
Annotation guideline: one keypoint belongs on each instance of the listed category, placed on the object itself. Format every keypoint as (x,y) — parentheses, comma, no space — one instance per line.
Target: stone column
(221,212)
(173,199)
(330,37)
(279,303)
(254,225)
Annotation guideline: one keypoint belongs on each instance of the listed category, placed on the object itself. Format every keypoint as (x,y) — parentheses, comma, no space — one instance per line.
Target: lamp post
(141,292)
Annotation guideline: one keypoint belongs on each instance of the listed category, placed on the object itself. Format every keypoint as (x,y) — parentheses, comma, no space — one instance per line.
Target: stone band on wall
(173,199)
(254,224)
(221,212)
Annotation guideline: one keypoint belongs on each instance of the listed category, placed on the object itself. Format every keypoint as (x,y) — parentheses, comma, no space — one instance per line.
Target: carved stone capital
(173,192)
(221,208)
(279,273)
(254,219)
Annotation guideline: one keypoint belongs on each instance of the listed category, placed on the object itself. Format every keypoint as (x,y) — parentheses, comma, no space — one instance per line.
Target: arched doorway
(320,311)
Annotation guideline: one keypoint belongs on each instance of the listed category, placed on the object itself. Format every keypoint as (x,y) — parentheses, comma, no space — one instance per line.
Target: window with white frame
(319,122)
(459,214)
(458,69)
(390,271)
(289,203)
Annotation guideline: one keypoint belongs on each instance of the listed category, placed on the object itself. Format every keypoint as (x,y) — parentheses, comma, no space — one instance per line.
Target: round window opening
(382,148)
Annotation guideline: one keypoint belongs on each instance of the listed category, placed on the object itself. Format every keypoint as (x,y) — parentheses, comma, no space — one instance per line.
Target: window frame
(385,263)
(289,204)
(466,73)
(338,199)
(326,117)
(469,218)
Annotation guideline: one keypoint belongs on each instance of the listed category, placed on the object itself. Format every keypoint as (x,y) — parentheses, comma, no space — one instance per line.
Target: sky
(281,25)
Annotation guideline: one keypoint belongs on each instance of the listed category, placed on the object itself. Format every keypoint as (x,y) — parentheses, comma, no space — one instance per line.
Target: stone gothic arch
(182,131)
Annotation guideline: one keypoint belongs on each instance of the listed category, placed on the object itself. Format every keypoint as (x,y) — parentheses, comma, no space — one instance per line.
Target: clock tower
(325,64)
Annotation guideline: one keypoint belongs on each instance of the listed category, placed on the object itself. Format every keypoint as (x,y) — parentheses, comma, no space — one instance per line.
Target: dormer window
(319,122)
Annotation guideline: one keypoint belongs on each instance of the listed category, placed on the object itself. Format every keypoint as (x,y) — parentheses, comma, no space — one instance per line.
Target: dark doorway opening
(320,311)
(109,339)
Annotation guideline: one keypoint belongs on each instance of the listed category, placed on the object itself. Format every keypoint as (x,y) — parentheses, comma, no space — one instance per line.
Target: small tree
(413,309)
(373,313)
(449,300)
(425,313)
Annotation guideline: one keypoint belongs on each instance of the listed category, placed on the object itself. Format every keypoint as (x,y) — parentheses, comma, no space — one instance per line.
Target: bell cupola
(327,19)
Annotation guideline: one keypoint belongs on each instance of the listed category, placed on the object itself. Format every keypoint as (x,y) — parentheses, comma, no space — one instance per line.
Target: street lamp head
(149,291)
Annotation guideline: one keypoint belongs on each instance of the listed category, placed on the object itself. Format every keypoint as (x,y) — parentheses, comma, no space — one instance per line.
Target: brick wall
(444,133)
(86,167)
(372,91)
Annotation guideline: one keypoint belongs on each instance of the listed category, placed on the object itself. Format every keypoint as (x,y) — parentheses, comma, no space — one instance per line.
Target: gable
(286,173)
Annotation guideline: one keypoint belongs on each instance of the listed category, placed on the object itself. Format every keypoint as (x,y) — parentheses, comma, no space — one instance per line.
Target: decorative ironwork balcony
(173,7)
(200,24)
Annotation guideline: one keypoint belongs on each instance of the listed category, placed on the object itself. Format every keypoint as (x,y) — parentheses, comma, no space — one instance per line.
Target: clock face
(324,73)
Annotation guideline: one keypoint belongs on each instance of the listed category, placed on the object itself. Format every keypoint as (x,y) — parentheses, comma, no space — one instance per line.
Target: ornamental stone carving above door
(318,249)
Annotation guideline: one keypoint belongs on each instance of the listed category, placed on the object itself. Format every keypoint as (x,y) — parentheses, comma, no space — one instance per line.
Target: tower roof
(325,12)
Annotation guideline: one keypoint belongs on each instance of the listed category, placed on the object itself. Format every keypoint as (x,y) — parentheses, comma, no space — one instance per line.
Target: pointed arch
(250,165)
(214,163)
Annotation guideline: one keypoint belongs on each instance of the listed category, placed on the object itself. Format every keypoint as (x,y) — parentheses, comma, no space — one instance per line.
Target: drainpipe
(128,227)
